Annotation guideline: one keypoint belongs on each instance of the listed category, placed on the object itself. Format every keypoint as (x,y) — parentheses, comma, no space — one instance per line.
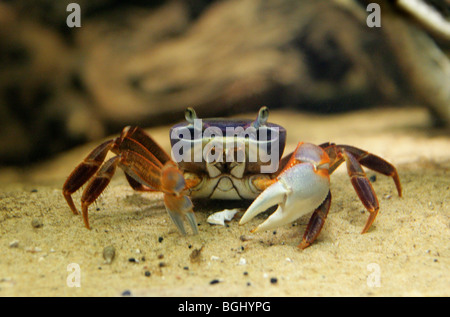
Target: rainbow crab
(209,162)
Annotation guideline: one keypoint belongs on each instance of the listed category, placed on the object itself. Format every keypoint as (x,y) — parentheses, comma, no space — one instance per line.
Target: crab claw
(299,190)
(177,203)
(178,208)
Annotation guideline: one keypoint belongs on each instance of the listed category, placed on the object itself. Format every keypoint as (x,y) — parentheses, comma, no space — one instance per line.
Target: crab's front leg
(147,168)
(302,187)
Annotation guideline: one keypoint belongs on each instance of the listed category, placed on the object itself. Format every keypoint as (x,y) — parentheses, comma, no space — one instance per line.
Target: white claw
(298,191)
(274,194)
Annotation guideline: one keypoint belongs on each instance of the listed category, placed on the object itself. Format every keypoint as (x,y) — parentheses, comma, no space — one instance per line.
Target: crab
(299,183)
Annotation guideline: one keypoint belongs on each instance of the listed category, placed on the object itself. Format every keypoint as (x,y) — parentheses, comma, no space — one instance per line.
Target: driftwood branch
(429,17)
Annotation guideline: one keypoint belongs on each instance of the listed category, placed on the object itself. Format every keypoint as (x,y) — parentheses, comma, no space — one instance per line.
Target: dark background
(144,62)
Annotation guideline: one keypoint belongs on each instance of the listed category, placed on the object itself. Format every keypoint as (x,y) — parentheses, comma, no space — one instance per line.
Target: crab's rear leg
(84,171)
(315,223)
(141,174)
(97,185)
(365,158)
(147,168)
(128,161)
(375,163)
(354,158)
(363,188)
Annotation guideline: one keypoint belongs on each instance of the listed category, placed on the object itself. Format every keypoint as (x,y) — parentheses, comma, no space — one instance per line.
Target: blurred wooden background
(144,62)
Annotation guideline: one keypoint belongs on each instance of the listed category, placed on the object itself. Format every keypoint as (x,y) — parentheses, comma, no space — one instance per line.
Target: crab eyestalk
(190,115)
(262,117)
(193,121)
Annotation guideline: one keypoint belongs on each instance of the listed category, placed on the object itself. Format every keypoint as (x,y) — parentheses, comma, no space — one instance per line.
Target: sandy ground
(44,247)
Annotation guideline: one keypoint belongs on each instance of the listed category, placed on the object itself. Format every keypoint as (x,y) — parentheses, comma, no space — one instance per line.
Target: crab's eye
(263,114)
(190,115)
(261,120)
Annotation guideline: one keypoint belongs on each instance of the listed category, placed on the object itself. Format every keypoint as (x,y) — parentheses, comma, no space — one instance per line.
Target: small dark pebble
(186,268)
(162,264)
(244,238)
(143,259)
(133,260)
(246,273)
(126,293)
(215,281)
(34,190)
(160,239)
(190,246)
(274,280)
(160,256)
(274,232)
(249,284)
(373,178)
(36,223)
(147,273)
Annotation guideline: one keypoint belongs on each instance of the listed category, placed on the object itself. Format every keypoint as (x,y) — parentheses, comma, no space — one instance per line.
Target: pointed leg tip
(367,227)
(84,211)
(303,245)
(178,221)
(69,201)
(399,191)
(86,223)
(398,184)
(192,222)
(370,221)
(181,229)
(195,230)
